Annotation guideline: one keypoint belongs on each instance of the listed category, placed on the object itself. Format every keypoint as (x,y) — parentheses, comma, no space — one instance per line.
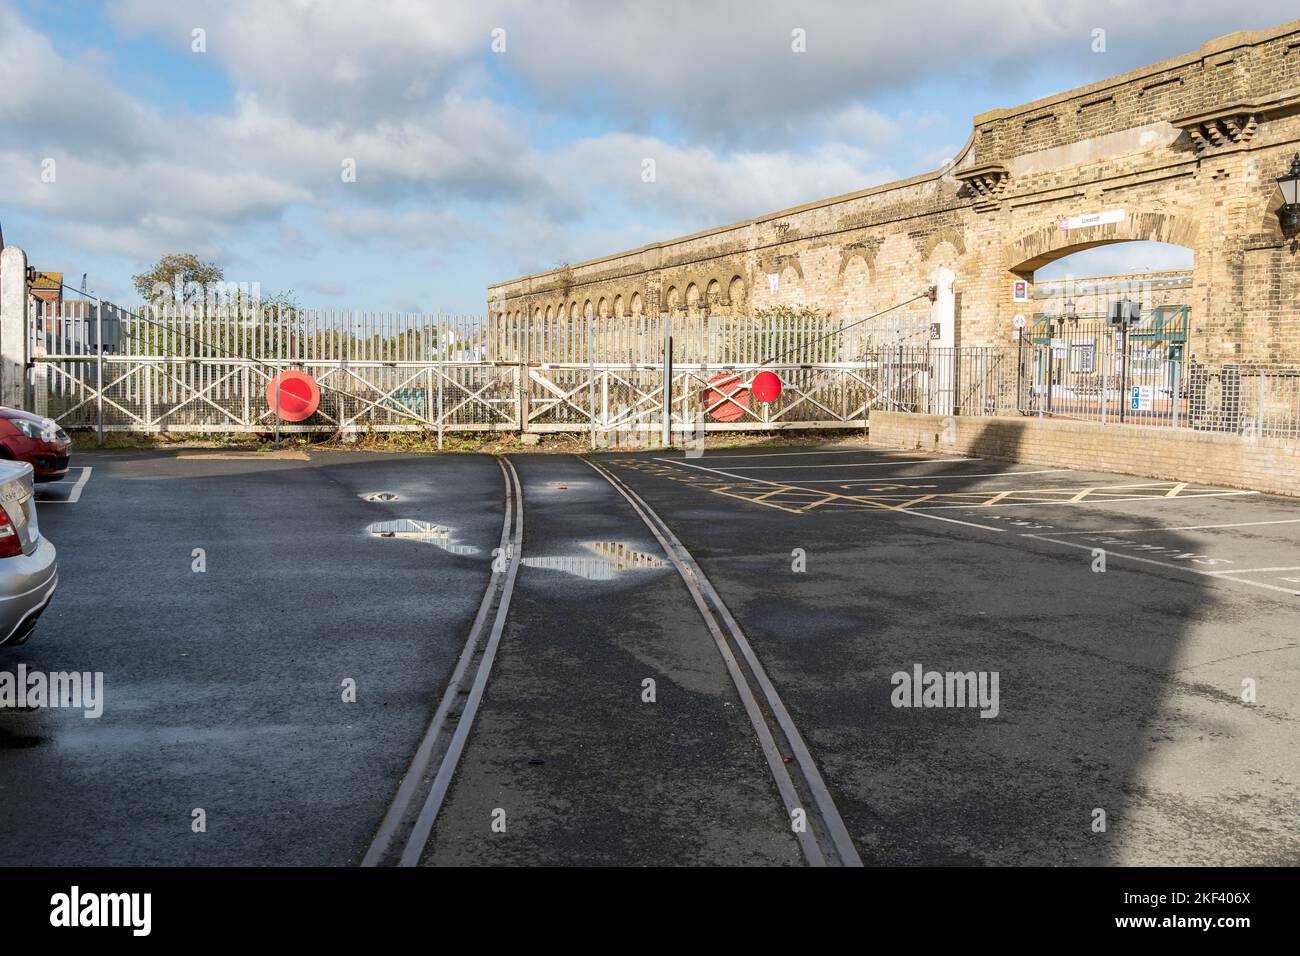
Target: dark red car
(38,441)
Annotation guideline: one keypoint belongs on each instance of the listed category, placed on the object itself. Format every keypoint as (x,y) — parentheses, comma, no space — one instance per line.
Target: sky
(402,155)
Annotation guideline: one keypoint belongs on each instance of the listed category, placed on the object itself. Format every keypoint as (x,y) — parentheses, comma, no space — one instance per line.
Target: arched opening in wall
(602,307)
(736,295)
(618,306)
(672,299)
(713,295)
(1108,332)
(692,299)
(637,308)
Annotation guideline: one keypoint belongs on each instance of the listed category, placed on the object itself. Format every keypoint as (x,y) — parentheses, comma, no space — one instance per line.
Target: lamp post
(1289,187)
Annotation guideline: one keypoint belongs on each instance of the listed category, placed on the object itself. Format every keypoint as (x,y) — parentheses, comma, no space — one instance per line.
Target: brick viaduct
(1185,151)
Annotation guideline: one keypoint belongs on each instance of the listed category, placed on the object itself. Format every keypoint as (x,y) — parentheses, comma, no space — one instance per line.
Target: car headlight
(44,430)
(30,429)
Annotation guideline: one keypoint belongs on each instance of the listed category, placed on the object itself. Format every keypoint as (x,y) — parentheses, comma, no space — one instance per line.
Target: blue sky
(476,164)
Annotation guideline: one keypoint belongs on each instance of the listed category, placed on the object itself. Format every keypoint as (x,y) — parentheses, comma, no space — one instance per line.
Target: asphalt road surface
(1144,713)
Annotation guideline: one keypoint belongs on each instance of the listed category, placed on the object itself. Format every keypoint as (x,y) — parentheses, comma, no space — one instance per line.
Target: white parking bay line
(1253,570)
(1163,564)
(1184,527)
(73,496)
(1154,499)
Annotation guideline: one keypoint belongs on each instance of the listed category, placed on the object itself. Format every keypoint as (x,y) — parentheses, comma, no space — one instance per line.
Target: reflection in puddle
(379,496)
(414,530)
(609,558)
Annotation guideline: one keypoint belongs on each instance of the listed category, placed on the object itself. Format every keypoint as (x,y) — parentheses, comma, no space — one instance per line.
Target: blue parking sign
(1136,402)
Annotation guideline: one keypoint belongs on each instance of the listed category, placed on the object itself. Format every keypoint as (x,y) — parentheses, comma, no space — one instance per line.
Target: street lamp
(1071,311)
(1289,187)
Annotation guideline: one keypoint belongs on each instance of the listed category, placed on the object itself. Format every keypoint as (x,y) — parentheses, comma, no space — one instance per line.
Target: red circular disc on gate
(299,396)
(766,387)
(726,398)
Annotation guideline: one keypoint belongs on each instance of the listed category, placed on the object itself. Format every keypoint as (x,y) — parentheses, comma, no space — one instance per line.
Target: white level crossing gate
(95,365)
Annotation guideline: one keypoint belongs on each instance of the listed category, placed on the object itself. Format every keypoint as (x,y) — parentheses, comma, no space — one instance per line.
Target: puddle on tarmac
(608,559)
(379,496)
(425,531)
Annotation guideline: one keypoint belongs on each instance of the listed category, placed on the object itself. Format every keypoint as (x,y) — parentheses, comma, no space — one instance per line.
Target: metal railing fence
(430,372)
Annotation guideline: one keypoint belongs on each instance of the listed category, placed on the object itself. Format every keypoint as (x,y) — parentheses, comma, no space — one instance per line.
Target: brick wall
(1187,150)
(1269,465)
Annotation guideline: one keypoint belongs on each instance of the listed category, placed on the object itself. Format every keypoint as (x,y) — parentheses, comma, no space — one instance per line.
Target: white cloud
(721,69)
(454,144)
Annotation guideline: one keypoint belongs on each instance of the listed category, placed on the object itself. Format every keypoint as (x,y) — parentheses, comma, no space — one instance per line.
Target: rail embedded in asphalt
(408,824)
(825,841)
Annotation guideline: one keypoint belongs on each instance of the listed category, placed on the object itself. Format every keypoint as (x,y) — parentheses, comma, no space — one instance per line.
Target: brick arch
(864,249)
(714,292)
(1036,249)
(737,290)
(720,277)
(951,236)
(780,263)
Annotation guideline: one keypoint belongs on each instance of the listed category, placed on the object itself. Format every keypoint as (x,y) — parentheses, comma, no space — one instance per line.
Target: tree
(185,269)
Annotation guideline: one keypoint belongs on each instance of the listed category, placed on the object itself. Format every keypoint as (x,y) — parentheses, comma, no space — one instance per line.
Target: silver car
(28,571)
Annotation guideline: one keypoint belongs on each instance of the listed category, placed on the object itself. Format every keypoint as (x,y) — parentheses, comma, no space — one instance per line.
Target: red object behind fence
(766,387)
(299,396)
(720,388)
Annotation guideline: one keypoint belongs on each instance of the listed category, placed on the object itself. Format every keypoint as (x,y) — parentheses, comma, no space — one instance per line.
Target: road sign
(1067,223)
(1018,321)
(1020,290)
(1140,398)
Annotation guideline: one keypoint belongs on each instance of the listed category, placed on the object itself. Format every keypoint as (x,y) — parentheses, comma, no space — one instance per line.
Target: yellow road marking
(796,499)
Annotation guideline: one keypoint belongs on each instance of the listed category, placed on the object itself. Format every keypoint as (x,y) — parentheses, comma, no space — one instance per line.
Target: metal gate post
(866,378)
(99,370)
(438,343)
(591,378)
(1178,374)
(1123,370)
(668,380)
(278,385)
(523,383)
(1051,362)
(1020,370)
